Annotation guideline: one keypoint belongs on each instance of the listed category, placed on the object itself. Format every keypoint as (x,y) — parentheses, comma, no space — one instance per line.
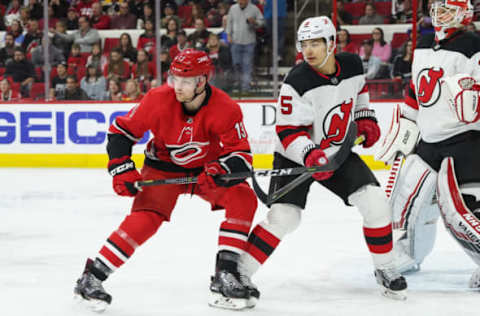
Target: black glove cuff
(123,167)
(365,114)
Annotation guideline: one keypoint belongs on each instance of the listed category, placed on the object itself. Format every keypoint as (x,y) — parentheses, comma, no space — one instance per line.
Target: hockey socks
(379,242)
(133,232)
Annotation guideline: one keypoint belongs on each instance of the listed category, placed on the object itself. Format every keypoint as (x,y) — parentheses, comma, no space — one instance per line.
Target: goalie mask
(314,28)
(448,15)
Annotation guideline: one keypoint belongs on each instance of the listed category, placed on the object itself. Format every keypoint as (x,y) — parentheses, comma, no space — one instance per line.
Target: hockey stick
(238,175)
(334,163)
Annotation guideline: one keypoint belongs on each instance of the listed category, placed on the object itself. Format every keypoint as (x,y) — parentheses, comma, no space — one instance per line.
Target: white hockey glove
(462,92)
(401,137)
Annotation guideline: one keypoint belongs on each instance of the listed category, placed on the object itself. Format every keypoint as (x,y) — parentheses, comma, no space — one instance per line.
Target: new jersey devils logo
(428,86)
(183,154)
(335,124)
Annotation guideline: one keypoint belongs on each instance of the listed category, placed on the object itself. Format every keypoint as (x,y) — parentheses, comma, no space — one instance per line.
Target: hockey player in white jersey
(318,102)
(442,107)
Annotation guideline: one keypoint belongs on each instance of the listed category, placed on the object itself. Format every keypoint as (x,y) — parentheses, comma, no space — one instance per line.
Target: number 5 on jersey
(286,104)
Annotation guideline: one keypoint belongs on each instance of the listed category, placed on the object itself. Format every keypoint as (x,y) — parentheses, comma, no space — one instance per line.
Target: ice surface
(51,220)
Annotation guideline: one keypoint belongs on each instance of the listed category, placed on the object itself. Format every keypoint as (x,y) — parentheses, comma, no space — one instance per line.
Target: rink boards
(75,134)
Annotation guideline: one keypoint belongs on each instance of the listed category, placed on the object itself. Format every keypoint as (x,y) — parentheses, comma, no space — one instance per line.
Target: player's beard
(184,96)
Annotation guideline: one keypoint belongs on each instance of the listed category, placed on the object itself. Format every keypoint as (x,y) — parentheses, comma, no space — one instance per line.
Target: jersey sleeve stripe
(411,98)
(288,134)
(364,89)
(115,128)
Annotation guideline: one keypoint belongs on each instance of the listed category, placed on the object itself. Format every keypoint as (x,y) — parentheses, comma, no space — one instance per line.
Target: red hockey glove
(369,128)
(316,157)
(208,179)
(124,175)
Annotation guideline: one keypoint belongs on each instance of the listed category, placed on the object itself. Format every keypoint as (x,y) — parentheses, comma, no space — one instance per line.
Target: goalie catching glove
(463,96)
(124,175)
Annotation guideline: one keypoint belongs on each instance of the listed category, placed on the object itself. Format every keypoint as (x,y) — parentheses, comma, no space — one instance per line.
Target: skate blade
(219,301)
(96,306)
(394,295)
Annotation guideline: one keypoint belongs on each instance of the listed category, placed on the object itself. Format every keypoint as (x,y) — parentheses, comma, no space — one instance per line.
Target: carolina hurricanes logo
(335,124)
(428,85)
(183,154)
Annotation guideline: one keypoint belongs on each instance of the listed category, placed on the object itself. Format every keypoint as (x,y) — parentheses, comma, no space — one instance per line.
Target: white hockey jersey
(314,108)
(427,102)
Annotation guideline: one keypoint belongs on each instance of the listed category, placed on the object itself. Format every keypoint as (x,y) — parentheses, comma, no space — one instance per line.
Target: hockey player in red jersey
(318,101)
(438,130)
(198,131)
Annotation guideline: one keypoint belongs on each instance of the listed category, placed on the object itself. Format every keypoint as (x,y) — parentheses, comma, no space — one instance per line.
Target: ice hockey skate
(392,283)
(90,292)
(474,282)
(252,289)
(228,292)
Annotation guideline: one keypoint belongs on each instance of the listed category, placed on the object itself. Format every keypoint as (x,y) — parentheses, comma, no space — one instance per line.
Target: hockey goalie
(437,130)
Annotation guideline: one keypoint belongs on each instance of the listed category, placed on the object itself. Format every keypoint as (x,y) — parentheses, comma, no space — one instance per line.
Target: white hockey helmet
(450,14)
(317,27)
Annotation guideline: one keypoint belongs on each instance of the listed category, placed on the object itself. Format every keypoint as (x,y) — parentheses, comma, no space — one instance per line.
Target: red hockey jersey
(183,141)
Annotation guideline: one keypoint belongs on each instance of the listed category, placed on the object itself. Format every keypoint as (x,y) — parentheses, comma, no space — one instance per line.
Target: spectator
(55,56)
(143,70)
(132,91)
(21,70)
(243,20)
(126,47)
(72,19)
(60,8)
(124,20)
(52,20)
(117,68)
(59,82)
(36,9)
(16,30)
(197,13)
(209,4)
(33,36)
(86,36)
(169,13)
(24,16)
(282,19)
(402,63)
(223,9)
(214,19)
(199,38)
(223,34)
(94,84)
(6,92)
(371,16)
(114,92)
(164,64)
(343,17)
(381,48)
(6,52)
(84,7)
(97,59)
(170,38)
(182,43)
(100,21)
(221,59)
(371,64)
(75,59)
(73,91)
(146,15)
(147,39)
(344,44)
(12,12)
(136,8)
(404,12)
(61,41)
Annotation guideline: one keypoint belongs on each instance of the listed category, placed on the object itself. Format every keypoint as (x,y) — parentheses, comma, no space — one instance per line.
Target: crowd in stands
(85,68)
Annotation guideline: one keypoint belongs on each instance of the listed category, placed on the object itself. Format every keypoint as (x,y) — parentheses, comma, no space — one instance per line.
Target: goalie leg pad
(415,213)
(459,220)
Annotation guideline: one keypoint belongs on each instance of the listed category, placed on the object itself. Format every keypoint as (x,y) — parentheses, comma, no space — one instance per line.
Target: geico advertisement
(82,128)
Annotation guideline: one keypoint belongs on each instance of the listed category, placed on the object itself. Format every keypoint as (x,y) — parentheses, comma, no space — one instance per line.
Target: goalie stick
(334,163)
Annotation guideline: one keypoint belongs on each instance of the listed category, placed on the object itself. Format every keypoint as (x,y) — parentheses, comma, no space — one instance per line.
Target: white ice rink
(51,220)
